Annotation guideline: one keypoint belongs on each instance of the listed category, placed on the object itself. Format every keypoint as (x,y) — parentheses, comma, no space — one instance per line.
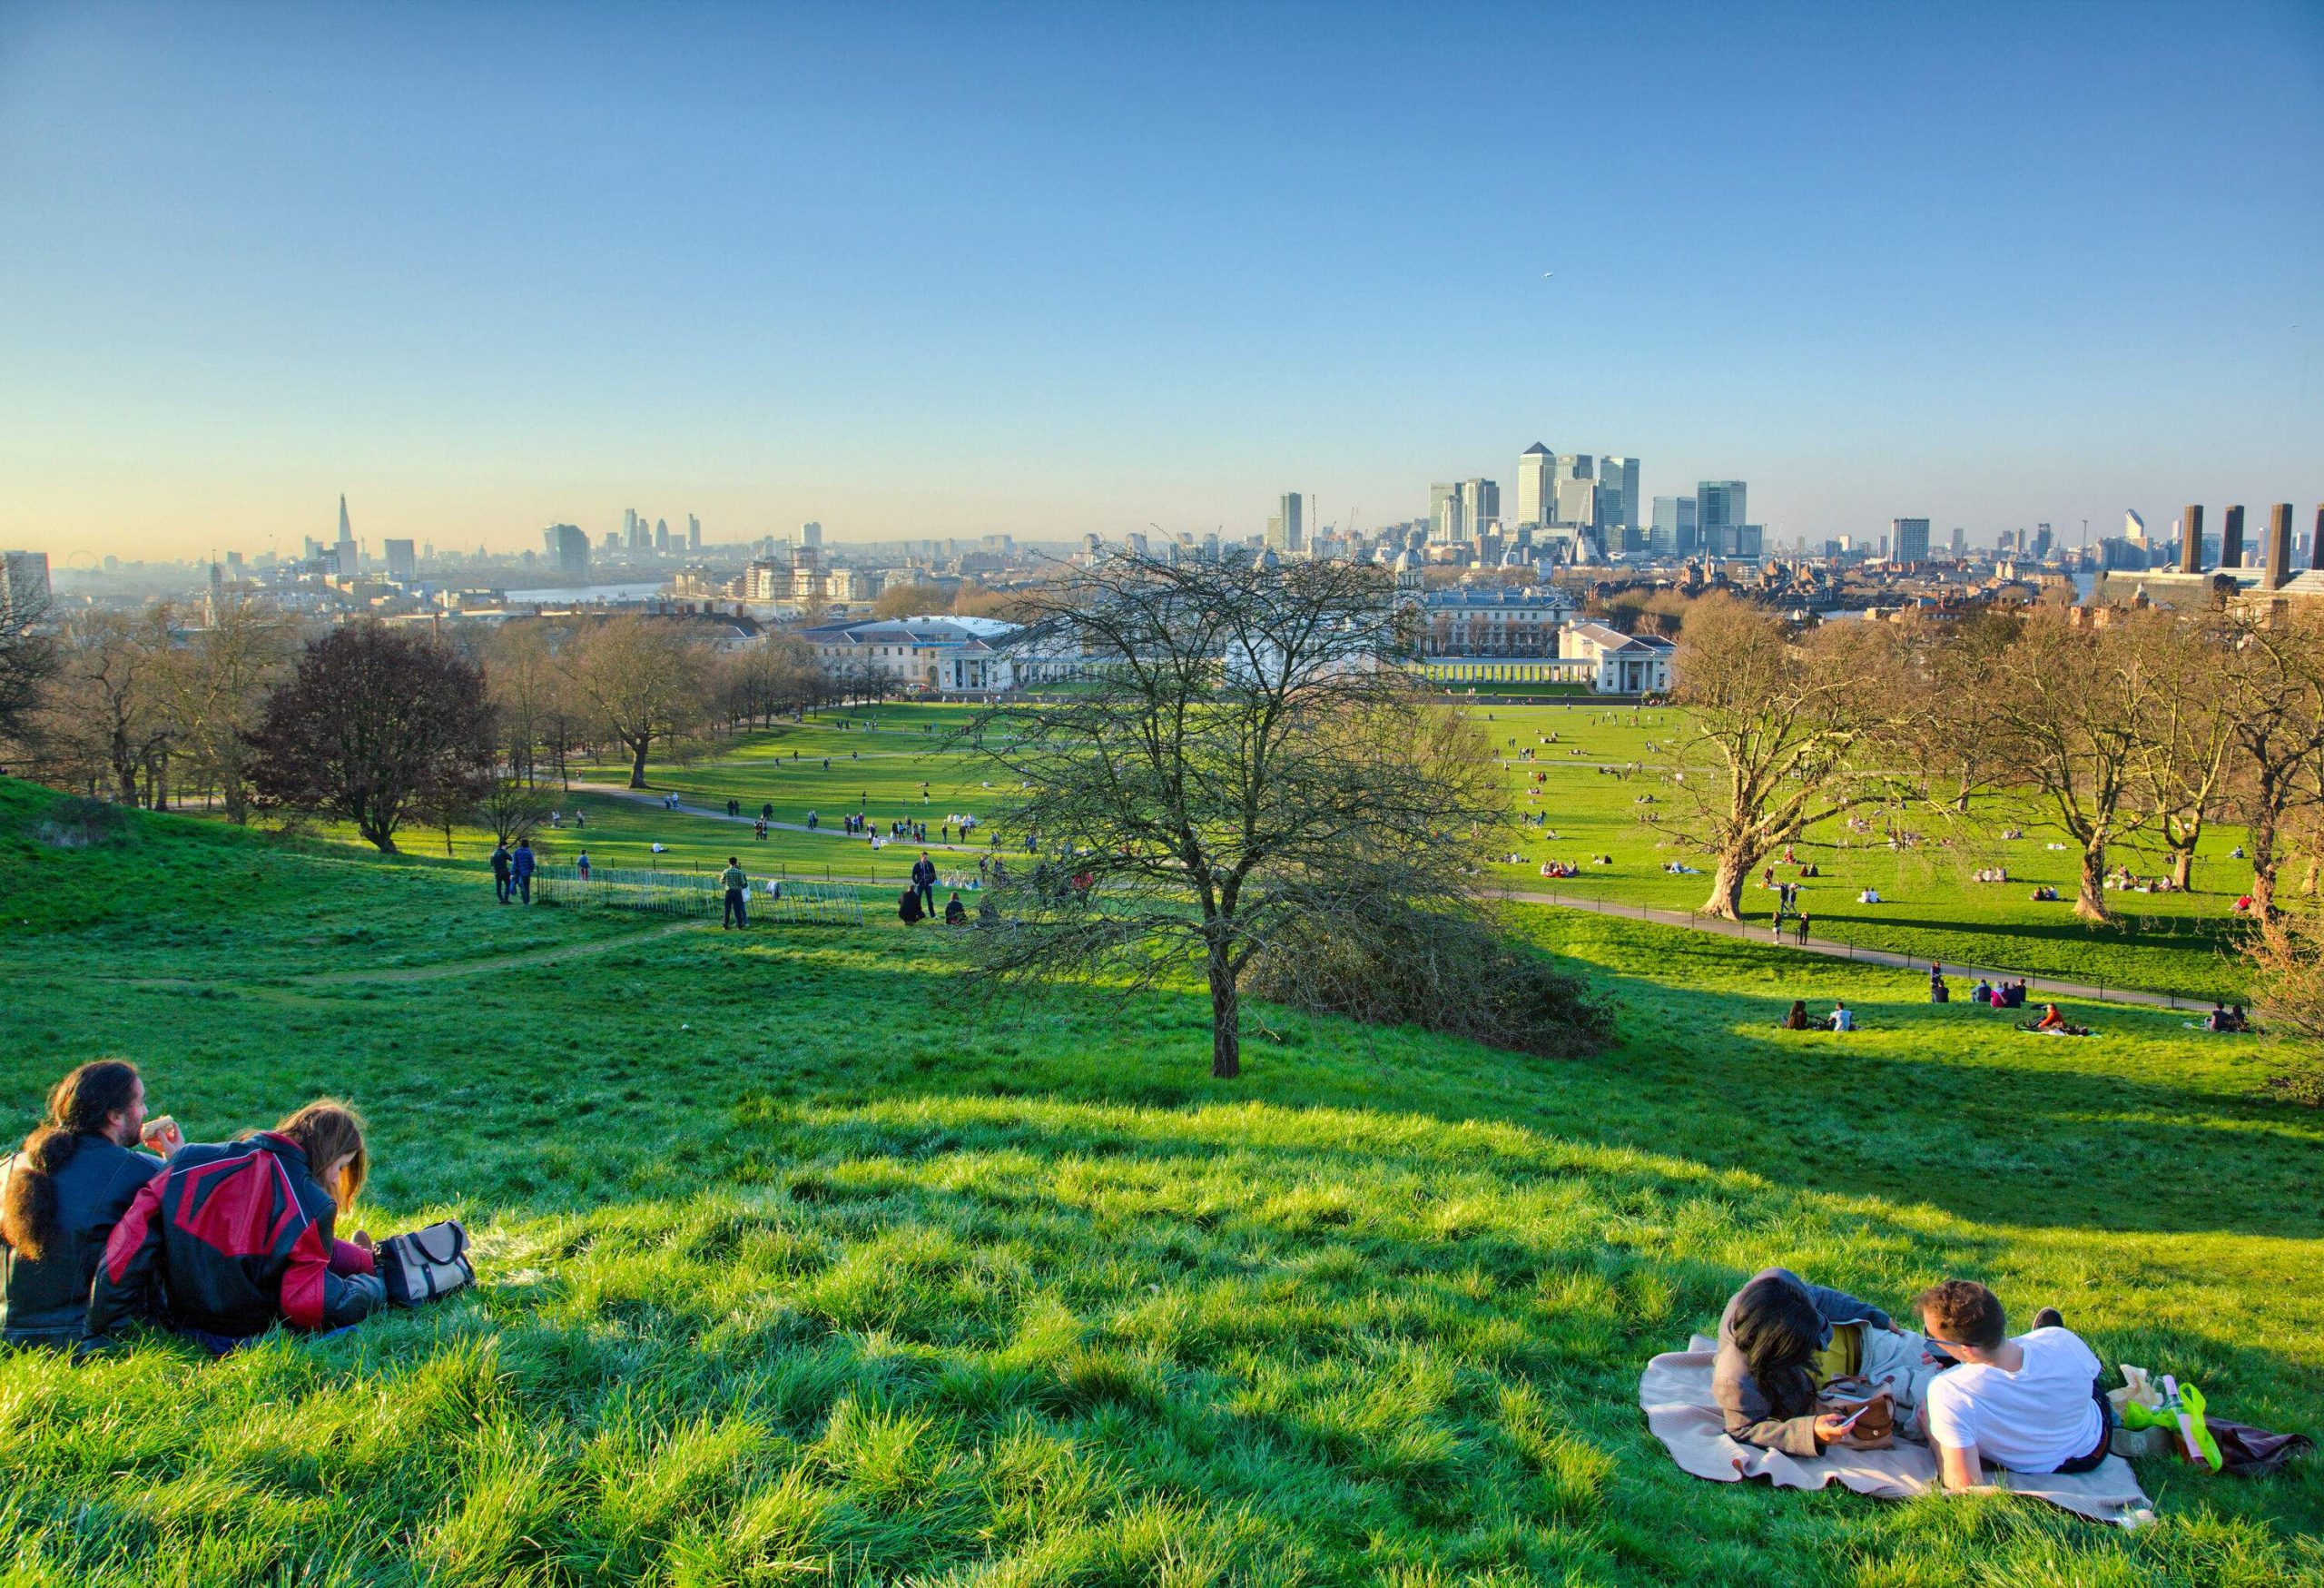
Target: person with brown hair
(238,1234)
(2034,1403)
(62,1195)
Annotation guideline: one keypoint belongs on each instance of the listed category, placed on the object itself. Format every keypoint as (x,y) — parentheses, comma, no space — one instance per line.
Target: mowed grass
(898,761)
(792,1273)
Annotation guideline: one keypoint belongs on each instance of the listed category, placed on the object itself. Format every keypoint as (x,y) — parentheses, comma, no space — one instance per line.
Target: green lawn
(1933,908)
(795,1273)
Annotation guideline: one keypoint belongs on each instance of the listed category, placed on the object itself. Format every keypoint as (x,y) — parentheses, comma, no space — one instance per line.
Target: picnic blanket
(1675,1394)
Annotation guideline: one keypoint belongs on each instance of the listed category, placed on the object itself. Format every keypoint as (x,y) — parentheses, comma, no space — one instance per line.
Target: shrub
(77,822)
(1446,970)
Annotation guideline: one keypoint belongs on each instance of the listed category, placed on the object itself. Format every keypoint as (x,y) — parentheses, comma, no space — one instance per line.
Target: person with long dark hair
(62,1194)
(1782,1341)
(231,1238)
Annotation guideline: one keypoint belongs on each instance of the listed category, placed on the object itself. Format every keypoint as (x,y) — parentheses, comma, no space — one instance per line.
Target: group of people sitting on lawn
(1999,994)
(1841,1019)
(1803,1368)
(2223,1019)
(108,1217)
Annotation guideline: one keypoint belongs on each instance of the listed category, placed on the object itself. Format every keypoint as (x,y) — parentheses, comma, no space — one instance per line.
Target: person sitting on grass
(1842,1018)
(1781,1340)
(2032,1403)
(231,1237)
(61,1196)
(2052,1020)
(1797,1020)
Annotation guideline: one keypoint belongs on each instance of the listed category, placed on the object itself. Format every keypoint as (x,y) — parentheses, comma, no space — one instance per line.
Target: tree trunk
(1226,1019)
(2091,902)
(2261,841)
(1726,899)
(2182,862)
(637,762)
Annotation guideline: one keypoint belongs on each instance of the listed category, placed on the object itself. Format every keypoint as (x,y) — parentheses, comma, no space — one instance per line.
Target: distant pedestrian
(733,807)
(908,910)
(766,812)
(923,877)
(1803,927)
(523,859)
(582,865)
(811,820)
(738,889)
(502,868)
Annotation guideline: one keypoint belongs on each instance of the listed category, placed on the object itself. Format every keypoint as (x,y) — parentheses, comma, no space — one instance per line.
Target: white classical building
(1627,664)
(955,656)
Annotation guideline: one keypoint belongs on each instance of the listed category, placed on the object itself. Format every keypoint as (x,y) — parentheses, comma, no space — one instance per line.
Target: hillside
(795,1273)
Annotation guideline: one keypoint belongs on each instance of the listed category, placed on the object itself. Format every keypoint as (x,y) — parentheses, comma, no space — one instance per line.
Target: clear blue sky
(945,270)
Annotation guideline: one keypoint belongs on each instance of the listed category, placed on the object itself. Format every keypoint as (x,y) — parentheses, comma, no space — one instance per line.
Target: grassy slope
(794,1275)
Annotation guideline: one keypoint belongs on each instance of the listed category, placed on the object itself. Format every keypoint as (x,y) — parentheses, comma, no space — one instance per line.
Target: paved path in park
(2046,986)
(718,813)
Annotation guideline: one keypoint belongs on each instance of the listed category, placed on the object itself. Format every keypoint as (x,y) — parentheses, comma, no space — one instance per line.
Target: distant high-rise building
(1573,465)
(1909,537)
(636,530)
(348,557)
(2042,541)
(1446,522)
(568,548)
(1578,502)
(234,565)
(810,534)
(1719,515)
(1620,475)
(662,537)
(23,583)
(402,559)
(613,541)
(1673,534)
(694,533)
(2134,529)
(1960,541)
(1536,485)
(1480,505)
(1287,530)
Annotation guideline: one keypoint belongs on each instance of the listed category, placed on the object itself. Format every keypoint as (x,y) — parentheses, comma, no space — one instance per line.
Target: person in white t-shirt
(2031,1404)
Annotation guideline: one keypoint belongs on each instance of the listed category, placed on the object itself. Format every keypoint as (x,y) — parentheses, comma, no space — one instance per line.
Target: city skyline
(1091,273)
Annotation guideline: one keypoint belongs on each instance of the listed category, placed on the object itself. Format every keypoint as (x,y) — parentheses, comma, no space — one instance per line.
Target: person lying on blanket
(1782,1340)
(2034,1403)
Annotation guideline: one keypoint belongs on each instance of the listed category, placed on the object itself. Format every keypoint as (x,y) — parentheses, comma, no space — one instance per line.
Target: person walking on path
(811,820)
(923,877)
(525,863)
(738,891)
(766,812)
(501,867)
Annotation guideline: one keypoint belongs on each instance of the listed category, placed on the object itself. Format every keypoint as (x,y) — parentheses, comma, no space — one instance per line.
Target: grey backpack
(425,1263)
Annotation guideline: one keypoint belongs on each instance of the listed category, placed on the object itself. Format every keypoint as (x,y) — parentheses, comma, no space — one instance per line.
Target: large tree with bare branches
(1780,733)
(2273,681)
(1243,754)
(646,680)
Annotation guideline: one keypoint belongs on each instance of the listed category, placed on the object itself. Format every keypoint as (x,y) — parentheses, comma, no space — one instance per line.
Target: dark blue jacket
(48,1301)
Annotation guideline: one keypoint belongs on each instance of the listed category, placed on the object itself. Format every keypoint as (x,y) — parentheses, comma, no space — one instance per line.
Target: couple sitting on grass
(1796,1361)
(214,1242)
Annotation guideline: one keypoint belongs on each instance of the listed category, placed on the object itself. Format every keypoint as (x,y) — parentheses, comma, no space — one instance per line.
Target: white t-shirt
(2033,1420)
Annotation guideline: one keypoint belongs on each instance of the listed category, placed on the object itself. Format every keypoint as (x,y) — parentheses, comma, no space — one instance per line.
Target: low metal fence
(696,893)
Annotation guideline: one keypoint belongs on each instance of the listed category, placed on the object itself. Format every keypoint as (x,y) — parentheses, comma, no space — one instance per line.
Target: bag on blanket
(425,1263)
(1876,1428)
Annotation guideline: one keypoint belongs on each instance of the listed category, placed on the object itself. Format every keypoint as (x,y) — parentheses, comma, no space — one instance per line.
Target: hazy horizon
(931,271)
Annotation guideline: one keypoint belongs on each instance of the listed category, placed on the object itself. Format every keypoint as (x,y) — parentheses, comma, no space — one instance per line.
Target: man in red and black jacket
(225,1240)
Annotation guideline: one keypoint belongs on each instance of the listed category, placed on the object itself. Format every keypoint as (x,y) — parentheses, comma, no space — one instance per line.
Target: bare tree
(2189,730)
(215,686)
(2072,709)
(27,658)
(1779,733)
(1242,755)
(2273,679)
(512,808)
(105,715)
(644,679)
(375,726)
